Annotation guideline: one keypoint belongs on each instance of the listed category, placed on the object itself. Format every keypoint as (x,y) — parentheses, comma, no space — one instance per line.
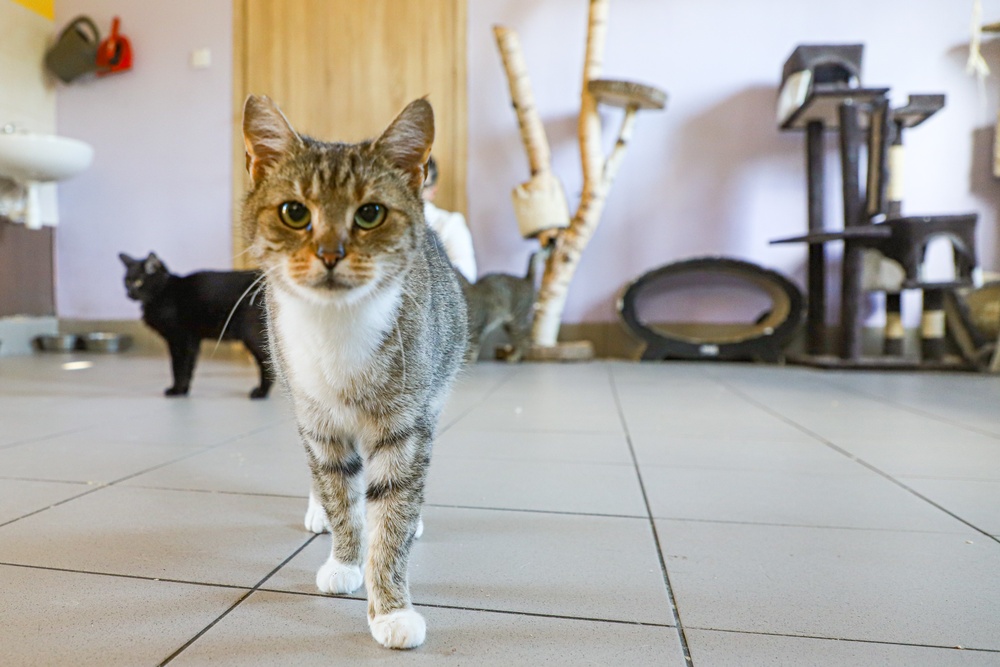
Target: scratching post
(540,203)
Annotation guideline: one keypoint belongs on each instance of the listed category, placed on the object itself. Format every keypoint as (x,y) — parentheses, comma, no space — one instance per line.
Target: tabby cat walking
(367,330)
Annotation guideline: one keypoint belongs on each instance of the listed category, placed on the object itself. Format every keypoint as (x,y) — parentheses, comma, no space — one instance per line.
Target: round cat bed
(761,338)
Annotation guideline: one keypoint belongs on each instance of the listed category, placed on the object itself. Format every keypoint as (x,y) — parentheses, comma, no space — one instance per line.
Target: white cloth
(455,237)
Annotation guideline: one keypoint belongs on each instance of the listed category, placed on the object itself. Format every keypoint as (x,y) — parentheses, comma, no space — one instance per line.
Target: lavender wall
(161,177)
(712,175)
(709,175)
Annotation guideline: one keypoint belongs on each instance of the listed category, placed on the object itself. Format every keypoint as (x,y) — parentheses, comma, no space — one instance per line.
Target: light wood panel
(342,69)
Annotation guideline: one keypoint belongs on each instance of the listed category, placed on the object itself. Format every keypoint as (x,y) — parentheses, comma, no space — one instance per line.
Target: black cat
(186,309)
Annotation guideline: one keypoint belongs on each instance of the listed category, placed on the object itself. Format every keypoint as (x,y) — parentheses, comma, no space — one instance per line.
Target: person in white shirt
(450,227)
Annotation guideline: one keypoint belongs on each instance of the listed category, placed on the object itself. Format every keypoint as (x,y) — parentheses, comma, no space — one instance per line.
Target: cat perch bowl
(111,343)
(57,343)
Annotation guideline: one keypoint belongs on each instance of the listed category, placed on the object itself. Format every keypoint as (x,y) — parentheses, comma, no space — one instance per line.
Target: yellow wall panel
(46,8)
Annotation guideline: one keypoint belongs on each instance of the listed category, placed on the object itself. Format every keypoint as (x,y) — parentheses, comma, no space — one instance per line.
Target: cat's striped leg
(339,483)
(396,468)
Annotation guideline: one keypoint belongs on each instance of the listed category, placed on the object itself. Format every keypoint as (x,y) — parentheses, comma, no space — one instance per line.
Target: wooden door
(342,69)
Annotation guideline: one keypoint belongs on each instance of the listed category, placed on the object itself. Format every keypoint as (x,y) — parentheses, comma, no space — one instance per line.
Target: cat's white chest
(326,347)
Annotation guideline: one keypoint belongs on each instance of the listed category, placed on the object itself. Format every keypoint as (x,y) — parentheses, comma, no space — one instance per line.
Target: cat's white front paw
(420,529)
(336,578)
(403,628)
(316,516)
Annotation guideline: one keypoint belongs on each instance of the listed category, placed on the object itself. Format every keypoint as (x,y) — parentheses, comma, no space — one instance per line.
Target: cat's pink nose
(330,256)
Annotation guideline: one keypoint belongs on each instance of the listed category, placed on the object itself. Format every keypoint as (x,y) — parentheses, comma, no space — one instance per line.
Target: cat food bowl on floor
(57,342)
(111,343)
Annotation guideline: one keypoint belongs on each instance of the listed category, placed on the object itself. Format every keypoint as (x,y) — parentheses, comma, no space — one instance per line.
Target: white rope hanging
(976,64)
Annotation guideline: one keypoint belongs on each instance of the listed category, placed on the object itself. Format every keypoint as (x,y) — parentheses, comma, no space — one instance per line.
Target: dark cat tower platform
(883,250)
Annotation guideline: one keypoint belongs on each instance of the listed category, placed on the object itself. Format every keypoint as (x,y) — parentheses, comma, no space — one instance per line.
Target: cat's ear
(267,134)
(126,260)
(152,264)
(407,141)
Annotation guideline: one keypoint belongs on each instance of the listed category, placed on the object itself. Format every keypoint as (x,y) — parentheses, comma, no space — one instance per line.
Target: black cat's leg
(258,349)
(396,467)
(338,481)
(183,355)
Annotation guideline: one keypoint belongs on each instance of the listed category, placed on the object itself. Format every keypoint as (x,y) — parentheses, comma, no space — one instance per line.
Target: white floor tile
(898,587)
(538,547)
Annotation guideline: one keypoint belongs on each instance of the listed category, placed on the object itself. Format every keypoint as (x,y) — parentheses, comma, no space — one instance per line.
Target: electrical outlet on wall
(201,58)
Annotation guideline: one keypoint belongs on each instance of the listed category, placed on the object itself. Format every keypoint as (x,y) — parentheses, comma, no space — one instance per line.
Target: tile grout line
(105,485)
(775,524)
(486,610)
(681,635)
(638,517)
(42,438)
(831,382)
(262,589)
(856,459)
(844,639)
(120,575)
(913,410)
(465,413)
(238,602)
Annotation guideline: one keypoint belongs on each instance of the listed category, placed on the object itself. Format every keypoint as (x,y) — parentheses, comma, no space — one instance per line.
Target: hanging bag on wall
(115,52)
(75,51)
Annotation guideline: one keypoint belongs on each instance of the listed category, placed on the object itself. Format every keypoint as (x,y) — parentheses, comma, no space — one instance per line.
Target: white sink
(25,156)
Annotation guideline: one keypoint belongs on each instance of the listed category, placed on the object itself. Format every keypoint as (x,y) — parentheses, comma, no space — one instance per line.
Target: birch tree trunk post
(539,204)
(598,173)
(536,144)
(567,242)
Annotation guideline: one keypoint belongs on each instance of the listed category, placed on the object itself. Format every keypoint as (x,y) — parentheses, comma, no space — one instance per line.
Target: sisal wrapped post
(540,205)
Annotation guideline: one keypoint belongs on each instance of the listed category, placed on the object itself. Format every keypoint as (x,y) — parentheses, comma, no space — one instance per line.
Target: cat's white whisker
(258,281)
(402,354)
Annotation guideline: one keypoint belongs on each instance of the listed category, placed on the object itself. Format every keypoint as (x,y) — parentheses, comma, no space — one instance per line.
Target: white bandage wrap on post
(540,204)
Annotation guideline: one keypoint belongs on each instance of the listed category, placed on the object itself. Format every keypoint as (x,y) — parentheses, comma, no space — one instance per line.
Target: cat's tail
(535,265)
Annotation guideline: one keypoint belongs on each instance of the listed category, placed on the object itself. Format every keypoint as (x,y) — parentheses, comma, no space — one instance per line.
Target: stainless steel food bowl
(57,342)
(106,342)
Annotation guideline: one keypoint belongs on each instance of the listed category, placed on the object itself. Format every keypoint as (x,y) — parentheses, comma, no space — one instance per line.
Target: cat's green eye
(295,214)
(370,216)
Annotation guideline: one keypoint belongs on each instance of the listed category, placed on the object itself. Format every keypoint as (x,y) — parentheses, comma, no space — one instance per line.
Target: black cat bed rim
(763,339)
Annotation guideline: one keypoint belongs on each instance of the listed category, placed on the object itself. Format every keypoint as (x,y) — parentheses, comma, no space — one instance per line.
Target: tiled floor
(602,514)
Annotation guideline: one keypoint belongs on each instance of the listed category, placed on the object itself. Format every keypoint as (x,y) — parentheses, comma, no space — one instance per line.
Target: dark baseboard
(611,340)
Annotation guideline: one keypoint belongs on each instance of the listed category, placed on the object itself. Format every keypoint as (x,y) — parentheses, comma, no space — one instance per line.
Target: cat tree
(540,203)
